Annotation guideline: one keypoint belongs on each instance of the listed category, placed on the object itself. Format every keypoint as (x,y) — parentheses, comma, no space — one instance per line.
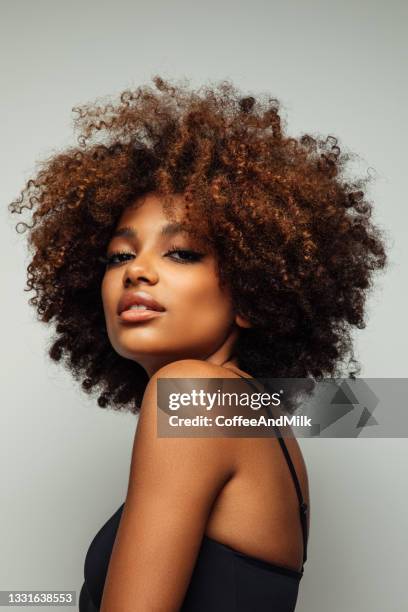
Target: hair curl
(293,240)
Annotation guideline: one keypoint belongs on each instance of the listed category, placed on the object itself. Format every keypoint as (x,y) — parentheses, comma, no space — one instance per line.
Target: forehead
(149,209)
(148,217)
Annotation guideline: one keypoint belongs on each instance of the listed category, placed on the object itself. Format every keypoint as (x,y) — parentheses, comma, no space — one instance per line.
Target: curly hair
(292,238)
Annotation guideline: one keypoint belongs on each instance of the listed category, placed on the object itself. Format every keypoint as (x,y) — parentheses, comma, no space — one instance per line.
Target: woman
(253,257)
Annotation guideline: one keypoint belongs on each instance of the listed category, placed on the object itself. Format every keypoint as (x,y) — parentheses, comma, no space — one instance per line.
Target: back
(259,510)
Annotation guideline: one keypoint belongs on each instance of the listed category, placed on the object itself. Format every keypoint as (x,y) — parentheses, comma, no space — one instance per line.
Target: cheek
(201,300)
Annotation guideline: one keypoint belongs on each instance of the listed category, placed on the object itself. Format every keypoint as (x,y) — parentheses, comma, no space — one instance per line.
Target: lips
(138,297)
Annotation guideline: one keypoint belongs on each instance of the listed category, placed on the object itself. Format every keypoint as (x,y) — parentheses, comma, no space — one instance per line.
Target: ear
(242,321)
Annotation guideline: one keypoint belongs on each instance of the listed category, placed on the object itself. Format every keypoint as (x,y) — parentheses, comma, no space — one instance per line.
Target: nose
(138,269)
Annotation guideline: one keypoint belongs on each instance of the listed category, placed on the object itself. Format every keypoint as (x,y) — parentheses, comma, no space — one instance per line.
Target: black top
(223,579)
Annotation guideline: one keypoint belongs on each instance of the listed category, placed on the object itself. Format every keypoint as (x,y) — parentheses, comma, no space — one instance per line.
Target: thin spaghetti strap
(302,504)
(303,507)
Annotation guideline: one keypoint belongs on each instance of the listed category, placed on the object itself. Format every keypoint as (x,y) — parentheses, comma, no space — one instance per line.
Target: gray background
(337,67)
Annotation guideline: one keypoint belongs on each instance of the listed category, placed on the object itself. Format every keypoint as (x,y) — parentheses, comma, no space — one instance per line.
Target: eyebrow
(167,230)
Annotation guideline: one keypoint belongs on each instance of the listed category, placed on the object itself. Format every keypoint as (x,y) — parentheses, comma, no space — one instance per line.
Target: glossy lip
(138,297)
(134,316)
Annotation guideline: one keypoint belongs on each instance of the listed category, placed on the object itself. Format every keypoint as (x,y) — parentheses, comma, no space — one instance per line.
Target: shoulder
(223,450)
(184,368)
(193,368)
(173,484)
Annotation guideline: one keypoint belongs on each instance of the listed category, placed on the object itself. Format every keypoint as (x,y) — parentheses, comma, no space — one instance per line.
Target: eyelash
(195,256)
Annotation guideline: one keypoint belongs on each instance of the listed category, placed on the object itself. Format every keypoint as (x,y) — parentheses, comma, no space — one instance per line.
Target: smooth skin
(237,491)
(199,321)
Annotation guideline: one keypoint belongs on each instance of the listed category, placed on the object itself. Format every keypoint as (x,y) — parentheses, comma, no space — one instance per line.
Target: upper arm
(172,485)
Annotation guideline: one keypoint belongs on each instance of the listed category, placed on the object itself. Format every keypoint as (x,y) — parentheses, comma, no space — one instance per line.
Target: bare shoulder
(184,368)
(193,368)
(173,485)
(220,450)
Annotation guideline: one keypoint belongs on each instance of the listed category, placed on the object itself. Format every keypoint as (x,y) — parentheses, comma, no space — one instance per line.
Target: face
(174,269)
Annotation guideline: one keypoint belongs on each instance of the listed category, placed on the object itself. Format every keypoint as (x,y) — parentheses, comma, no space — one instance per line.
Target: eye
(187,255)
(114,258)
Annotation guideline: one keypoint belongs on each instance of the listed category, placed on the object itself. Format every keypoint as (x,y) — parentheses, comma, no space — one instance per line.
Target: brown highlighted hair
(291,235)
